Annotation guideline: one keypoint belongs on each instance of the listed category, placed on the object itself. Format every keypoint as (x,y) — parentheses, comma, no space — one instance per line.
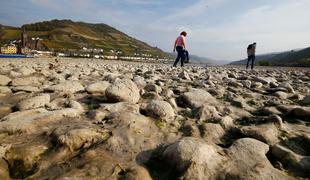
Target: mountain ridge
(296,57)
(68,34)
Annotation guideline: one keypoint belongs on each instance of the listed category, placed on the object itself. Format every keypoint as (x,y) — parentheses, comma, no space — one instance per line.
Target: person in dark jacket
(251,50)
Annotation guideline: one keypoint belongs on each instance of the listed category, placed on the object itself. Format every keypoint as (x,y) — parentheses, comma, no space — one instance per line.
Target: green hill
(288,58)
(67,34)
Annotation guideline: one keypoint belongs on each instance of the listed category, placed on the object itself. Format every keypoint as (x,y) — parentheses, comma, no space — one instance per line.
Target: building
(9,49)
(25,50)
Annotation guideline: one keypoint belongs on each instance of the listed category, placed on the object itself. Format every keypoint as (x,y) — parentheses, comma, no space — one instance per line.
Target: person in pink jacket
(180,47)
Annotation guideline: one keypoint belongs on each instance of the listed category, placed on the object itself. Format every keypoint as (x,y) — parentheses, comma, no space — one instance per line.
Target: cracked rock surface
(98,119)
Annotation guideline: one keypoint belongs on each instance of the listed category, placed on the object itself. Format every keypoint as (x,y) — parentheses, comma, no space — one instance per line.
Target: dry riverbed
(95,119)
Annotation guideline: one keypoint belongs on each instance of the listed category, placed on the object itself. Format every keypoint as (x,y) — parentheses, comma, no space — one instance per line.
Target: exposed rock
(297,164)
(280,94)
(26,88)
(4,80)
(245,159)
(27,81)
(137,173)
(212,132)
(123,90)
(227,122)
(306,100)
(301,112)
(246,83)
(139,81)
(99,87)
(5,90)
(25,71)
(190,151)
(197,116)
(249,160)
(288,87)
(265,111)
(153,87)
(197,97)
(82,137)
(184,75)
(265,133)
(264,80)
(160,109)
(277,120)
(234,83)
(208,113)
(30,120)
(67,86)
(34,102)
(132,131)
(240,103)
(256,85)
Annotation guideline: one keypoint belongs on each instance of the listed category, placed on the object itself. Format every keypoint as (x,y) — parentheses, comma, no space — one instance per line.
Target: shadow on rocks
(156,164)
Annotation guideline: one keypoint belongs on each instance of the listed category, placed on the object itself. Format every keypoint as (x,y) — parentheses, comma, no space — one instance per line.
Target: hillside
(286,58)
(67,34)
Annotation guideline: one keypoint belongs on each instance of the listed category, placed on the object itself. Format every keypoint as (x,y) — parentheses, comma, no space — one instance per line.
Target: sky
(218,29)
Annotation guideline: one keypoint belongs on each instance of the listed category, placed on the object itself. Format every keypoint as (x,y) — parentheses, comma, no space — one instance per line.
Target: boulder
(248,161)
(246,83)
(266,111)
(160,109)
(26,81)
(267,133)
(241,103)
(153,88)
(98,87)
(195,98)
(256,85)
(208,113)
(123,90)
(34,102)
(4,80)
(5,90)
(137,173)
(26,89)
(212,132)
(140,82)
(301,112)
(295,163)
(306,100)
(287,86)
(264,80)
(227,122)
(78,138)
(23,158)
(132,131)
(25,71)
(67,86)
(191,151)
(280,94)
(30,120)
(184,75)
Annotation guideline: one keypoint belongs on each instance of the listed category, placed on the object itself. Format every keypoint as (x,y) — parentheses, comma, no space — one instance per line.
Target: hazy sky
(219,29)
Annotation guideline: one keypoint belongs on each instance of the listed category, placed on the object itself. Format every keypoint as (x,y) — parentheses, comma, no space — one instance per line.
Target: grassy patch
(160,123)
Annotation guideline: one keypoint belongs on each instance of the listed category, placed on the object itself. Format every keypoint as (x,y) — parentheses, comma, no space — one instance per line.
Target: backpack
(186,55)
(250,47)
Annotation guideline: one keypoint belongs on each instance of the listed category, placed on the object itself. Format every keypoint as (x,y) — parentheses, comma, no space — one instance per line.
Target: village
(33,47)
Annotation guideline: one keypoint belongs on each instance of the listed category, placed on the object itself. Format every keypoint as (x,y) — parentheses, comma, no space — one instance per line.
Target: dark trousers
(181,56)
(250,58)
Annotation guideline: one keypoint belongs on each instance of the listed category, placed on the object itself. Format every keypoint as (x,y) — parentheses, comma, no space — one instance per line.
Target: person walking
(251,50)
(180,47)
